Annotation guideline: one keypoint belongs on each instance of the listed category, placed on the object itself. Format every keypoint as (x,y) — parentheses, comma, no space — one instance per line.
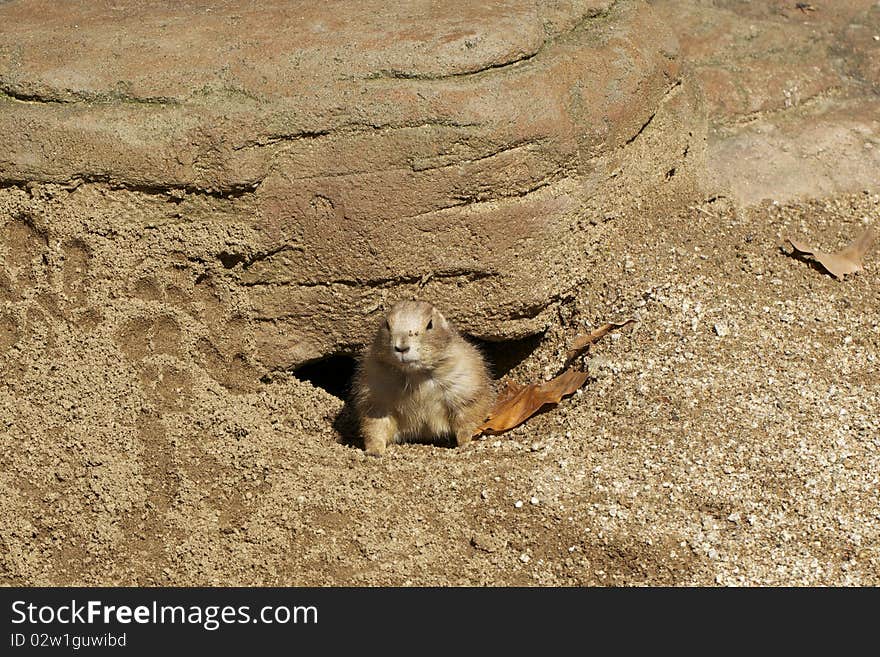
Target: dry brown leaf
(525,401)
(581,342)
(516,403)
(845,261)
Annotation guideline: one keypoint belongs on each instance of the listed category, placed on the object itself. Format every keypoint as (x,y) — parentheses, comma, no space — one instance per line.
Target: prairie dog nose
(400,347)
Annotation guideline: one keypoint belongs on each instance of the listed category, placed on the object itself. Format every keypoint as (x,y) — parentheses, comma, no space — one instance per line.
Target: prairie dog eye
(387,325)
(430,324)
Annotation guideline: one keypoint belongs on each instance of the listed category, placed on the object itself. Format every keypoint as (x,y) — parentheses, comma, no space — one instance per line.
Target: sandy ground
(730,437)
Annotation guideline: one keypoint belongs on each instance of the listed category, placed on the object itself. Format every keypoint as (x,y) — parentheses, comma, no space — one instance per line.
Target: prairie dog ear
(438,320)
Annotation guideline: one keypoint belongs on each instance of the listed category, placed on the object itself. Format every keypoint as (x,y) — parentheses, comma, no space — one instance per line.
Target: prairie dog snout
(419,380)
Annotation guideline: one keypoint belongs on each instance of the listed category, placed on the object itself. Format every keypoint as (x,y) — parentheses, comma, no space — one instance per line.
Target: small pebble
(534,500)
(524,558)
(518,504)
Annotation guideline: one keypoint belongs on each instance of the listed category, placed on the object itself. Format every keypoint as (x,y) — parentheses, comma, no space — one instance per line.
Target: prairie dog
(419,380)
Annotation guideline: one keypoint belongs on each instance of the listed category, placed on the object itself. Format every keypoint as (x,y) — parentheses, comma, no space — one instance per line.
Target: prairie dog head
(413,336)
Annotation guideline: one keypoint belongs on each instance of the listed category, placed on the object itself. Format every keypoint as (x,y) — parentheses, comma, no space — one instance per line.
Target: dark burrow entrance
(334,373)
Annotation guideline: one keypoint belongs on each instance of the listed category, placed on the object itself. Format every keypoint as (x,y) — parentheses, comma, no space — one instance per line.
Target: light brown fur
(420,380)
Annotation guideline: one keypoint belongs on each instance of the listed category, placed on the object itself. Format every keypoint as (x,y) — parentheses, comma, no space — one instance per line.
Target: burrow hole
(334,373)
